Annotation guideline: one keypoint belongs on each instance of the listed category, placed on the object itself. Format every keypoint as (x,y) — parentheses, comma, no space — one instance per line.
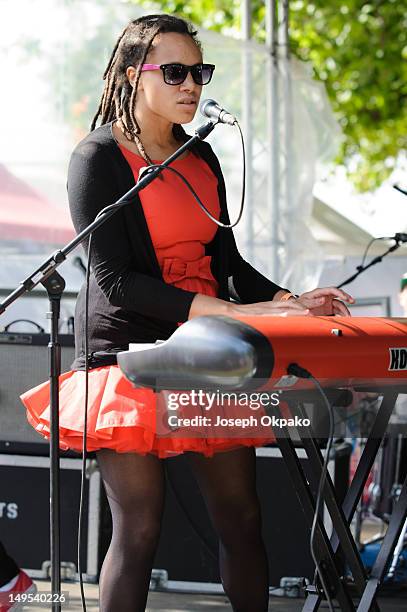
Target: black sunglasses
(175,74)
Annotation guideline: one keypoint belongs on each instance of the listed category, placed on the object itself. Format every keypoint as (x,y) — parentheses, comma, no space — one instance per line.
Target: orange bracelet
(287,296)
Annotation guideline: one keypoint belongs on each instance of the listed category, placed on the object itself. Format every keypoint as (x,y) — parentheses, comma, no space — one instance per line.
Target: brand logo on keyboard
(398,359)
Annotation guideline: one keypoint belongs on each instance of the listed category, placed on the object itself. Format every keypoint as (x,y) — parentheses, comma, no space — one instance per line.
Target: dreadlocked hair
(131,49)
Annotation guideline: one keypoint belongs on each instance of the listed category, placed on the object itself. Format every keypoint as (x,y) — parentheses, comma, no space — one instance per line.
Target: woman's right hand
(278,308)
(207,305)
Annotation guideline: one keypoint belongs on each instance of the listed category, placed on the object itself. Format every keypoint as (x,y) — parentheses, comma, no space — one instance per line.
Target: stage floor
(176,602)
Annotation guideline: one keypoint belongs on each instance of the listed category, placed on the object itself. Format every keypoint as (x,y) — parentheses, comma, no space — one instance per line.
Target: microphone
(400,237)
(211,109)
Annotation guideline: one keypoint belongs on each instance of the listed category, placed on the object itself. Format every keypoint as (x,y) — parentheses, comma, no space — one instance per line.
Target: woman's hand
(208,305)
(287,308)
(326,301)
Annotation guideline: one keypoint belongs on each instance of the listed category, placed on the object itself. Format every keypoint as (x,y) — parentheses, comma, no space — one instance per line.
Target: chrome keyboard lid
(208,352)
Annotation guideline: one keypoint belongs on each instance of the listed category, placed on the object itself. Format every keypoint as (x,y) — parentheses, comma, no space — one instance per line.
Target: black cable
(367,249)
(85,425)
(202,206)
(369,245)
(300,372)
(362,268)
(192,190)
(40,330)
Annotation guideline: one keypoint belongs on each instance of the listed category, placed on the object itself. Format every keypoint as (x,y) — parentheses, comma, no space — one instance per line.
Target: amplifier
(23,365)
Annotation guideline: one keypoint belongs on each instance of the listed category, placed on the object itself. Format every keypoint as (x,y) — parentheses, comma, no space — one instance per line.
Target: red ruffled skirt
(128,419)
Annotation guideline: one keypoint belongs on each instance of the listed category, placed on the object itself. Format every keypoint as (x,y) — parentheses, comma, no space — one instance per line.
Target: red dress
(124,418)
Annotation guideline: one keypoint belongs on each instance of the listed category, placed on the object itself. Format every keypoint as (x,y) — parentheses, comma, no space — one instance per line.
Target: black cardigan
(129,300)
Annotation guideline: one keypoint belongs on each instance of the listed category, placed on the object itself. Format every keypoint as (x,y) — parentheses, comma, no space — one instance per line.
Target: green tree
(359,50)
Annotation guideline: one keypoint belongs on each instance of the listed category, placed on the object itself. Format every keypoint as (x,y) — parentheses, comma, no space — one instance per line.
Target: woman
(155,264)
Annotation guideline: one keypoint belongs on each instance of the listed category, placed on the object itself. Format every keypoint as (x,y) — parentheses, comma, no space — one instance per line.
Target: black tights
(135,487)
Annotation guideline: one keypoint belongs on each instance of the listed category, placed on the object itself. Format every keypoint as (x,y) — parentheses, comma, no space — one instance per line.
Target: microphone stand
(374,261)
(47,275)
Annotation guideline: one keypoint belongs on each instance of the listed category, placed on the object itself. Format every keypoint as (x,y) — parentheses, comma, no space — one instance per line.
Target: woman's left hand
(326,301)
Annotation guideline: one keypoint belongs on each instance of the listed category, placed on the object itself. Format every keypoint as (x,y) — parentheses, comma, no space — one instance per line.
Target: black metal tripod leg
(347,542)
(397,520)
(312,602)
(361,475)
(55,285)
(323,548)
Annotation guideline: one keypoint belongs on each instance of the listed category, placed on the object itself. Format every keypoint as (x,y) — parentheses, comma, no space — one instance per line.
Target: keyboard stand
(332,552)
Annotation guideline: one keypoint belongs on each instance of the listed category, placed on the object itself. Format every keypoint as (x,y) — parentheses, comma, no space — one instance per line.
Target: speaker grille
(22,367)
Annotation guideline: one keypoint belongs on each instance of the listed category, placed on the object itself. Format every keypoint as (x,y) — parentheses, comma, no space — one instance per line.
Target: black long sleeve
(91,187)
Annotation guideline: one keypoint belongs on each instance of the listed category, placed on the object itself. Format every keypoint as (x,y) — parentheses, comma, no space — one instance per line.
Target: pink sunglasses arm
(150,67)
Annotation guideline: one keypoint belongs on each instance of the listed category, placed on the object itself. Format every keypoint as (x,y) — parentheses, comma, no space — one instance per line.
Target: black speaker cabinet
(24,515)
(23,365)
(188,548)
